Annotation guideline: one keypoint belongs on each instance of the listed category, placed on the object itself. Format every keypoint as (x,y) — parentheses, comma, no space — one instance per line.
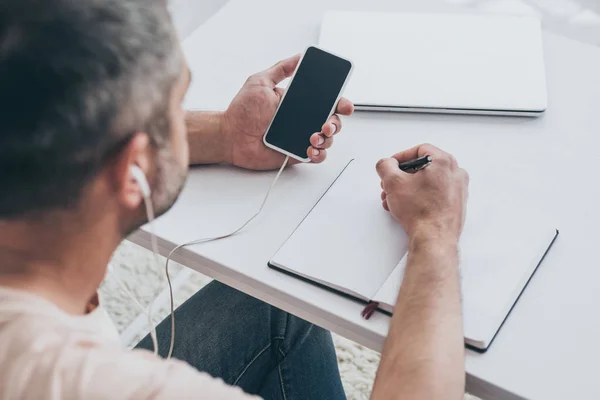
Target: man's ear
(137,152)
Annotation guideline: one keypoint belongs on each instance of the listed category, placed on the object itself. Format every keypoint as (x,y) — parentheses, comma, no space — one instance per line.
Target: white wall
(579,19)
(189,14)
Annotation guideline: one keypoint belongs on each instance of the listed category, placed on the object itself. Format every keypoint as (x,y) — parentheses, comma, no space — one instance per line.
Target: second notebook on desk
(349,244)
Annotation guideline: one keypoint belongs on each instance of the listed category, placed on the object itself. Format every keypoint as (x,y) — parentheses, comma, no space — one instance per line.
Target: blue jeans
(253,345)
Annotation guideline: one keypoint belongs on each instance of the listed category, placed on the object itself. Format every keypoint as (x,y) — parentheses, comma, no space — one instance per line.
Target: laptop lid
(485,64)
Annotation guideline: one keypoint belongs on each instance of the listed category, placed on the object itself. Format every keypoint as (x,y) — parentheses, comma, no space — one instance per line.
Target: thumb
(281,70)
(387,167)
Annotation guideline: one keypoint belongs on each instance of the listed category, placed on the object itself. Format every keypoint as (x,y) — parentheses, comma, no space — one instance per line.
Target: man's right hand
(430,202)
(423,356)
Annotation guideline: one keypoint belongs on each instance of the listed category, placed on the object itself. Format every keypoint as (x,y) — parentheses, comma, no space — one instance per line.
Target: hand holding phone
(311,98)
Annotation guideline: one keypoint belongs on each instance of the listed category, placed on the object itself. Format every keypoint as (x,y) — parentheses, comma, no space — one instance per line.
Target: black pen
(416,164)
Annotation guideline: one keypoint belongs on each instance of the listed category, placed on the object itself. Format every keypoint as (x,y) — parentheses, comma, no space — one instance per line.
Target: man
(90,88)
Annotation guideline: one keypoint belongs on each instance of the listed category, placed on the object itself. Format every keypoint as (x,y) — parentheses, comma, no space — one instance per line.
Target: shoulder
(85,369)
(45,354)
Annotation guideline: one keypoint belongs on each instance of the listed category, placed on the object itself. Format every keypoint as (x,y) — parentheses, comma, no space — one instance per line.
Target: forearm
(423,357)
(206,142)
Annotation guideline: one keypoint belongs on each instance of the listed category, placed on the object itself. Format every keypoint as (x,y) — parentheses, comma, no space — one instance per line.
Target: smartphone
(310,99)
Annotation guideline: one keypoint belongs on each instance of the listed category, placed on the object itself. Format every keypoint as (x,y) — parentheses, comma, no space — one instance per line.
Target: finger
(283,69)
(332,126)
(387,167)
(385,205)
(344,107)
(316,155)
(320,141)
(383,196)
(418,151)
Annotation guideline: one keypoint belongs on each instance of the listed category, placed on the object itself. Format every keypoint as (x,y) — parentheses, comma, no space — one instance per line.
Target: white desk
(549,347)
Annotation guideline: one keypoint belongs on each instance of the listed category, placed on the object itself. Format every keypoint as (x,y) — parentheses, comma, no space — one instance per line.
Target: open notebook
(363,250)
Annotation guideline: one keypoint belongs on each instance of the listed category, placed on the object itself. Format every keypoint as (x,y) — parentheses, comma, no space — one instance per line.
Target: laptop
(447,63)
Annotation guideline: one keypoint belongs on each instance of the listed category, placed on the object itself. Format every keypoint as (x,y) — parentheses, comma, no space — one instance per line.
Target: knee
(259,318)
(303,333)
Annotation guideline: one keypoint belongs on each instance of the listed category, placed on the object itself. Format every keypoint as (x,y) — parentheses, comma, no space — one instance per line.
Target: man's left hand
(249,114)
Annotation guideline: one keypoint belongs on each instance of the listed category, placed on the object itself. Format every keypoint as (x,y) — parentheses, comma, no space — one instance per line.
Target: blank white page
(348,241)
(387,295)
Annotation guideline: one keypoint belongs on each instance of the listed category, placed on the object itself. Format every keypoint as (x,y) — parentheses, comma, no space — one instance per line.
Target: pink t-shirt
(46,354)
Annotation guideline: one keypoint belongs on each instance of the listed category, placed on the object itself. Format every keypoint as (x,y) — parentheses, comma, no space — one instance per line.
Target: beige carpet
(138,272)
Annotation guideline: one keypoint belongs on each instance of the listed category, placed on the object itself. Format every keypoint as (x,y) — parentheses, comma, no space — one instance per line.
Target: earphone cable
(155,251)
(205,240)
(154,245)
(124,288)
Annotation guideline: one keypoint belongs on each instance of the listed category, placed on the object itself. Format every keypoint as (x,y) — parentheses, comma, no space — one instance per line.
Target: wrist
(207,138)
(225,137)
(428,235)
(432,260)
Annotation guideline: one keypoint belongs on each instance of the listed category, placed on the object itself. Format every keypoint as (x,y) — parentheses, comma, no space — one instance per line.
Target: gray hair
(77,78)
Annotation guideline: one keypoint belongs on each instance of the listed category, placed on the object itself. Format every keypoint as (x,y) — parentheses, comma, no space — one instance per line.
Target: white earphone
(139,176)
